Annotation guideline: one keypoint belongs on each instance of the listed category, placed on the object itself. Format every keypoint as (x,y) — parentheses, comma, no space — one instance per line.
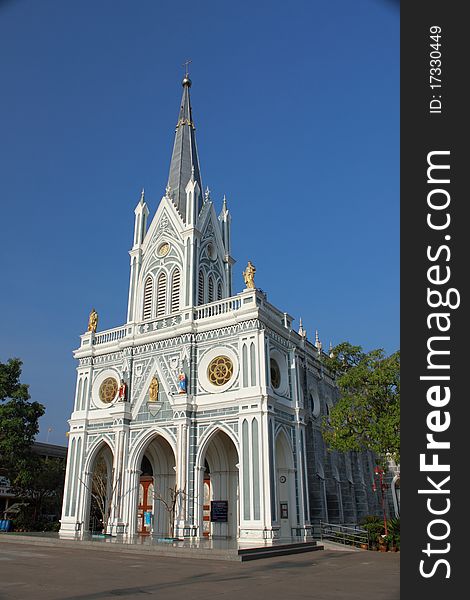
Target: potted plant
(375,528)
(383,542)
(390,542)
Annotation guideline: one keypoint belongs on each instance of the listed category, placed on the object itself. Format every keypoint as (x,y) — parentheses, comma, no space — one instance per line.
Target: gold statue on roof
(93,321)
(249,275)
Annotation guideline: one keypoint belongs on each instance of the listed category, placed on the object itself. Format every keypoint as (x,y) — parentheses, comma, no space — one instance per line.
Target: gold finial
(249,275)
(153,390)
(93,321)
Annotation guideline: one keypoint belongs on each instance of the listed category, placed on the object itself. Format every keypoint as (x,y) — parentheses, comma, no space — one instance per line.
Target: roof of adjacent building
(49,450)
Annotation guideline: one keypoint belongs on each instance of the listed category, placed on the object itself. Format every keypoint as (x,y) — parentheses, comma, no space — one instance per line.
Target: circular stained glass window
(108,390)
(275,374)
(220,370)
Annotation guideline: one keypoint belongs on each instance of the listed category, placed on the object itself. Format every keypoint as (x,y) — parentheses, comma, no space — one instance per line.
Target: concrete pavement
(56,573)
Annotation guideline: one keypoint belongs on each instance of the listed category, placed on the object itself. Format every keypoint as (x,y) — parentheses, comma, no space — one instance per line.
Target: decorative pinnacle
(142,196)
(302,331)
(207,194)
(318,343)
(168,190)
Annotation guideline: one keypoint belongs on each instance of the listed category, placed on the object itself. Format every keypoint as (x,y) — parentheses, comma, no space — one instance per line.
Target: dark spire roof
(184,159)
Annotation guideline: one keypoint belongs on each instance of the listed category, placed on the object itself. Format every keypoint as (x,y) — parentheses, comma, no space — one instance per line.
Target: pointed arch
(161,294)
(79,395)
(93,452)
(253,363)
(85,394)
(175,290)
(211,289)
(219,291)
(283,437)
(200,290)
(148,289)
(209,435)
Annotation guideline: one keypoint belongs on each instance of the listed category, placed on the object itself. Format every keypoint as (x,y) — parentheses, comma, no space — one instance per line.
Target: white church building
(206,395)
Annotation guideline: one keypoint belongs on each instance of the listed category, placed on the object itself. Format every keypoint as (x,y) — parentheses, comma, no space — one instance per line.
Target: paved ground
(56,573)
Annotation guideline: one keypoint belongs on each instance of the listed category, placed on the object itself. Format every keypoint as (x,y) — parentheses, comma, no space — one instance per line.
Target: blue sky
(296,106)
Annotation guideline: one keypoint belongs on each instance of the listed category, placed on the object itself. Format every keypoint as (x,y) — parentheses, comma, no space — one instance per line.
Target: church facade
(203,410)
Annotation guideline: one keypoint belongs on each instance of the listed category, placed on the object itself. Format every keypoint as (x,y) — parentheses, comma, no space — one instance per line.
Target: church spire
(184,164)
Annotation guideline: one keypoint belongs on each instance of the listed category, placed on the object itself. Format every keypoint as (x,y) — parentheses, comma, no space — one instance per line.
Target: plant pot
(383,547)
(393,549)
(364,546)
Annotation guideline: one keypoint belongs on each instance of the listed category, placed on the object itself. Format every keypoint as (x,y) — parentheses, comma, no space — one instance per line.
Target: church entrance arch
(285,486)
(99,490)
(155,511)
(218,504)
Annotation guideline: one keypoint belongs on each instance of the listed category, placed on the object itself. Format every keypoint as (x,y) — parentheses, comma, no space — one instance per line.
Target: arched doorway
(156,507)
(146,497)
(100,490)
(219,506)
(285,486)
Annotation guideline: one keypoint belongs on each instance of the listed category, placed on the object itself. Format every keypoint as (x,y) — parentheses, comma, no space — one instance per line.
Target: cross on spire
(186,66)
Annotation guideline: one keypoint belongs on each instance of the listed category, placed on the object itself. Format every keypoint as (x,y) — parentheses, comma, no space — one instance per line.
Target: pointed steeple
(184,164)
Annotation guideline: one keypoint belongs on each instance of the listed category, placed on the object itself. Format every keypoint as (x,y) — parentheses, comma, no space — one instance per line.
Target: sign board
(219,511)
(284,510)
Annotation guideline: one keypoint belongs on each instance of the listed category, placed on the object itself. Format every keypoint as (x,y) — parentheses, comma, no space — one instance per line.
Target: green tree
(18,424)
(367,415)
(41,489)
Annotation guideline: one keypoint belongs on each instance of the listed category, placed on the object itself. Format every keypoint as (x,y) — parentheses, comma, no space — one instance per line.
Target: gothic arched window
(147,313)
(161,295)
(211,289)
(200,291)
(175,291)
(219,291)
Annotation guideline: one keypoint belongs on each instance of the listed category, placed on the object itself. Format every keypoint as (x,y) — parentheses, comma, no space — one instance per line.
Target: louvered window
(219,291)
(211,289)
(175,291)
(200,293)
(161,295)
(148,298)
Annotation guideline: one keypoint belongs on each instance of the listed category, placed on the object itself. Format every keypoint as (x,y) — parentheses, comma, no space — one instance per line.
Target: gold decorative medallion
(275,374)
(220,370)
(108,390)
(163,249)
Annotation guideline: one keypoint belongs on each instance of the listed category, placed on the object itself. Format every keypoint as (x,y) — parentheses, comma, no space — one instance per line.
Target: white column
(198,499)
(182,479)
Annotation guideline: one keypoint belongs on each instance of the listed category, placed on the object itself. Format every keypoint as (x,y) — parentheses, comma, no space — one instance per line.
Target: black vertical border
(422,132)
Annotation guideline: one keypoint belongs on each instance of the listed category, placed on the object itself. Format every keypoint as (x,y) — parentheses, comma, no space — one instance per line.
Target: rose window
(220,370)
(108,390)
